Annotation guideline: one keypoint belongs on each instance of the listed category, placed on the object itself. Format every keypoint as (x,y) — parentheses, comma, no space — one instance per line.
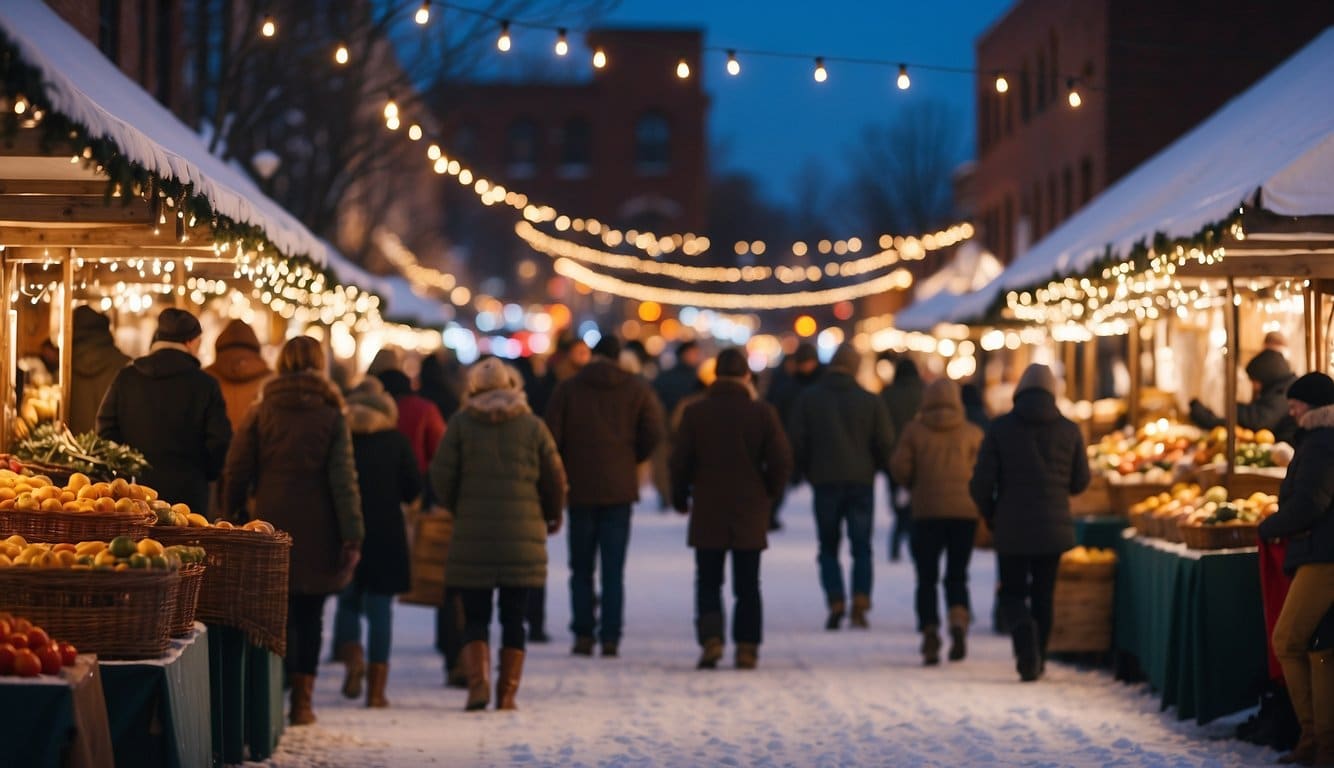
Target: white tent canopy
(937,295)
(1276,138)
(83,86)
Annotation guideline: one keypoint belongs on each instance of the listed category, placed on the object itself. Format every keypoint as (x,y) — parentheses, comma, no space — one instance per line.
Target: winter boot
(354,668)
(711,653)
(511,671)
(931,645)
(477,661)
(958,632)
(747,655)
(583,646)
(1028,660)
(861,605)
(837,609)
(377,677)
(303,691)
(611,649)
(456,676)
(1322,704)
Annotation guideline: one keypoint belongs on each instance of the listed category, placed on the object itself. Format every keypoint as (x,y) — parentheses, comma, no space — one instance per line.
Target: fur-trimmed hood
(304,389)
(370,409)
(497,405)
(1318,418)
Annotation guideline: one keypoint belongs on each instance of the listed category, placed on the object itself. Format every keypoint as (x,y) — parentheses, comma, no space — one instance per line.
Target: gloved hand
(347,562)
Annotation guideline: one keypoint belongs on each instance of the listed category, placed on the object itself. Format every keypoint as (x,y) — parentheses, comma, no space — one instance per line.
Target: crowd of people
(514,455)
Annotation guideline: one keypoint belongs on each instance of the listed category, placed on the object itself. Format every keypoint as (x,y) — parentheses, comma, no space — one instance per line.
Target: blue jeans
(598,532)
(353,602)
(747,613)
(837,504)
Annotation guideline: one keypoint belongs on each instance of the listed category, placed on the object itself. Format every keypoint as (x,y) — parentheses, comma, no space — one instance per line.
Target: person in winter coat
(1031,462)
(440,382)
(1268,409)
(292,458)
(239,369)
(841,438)
(1305,519)
(95,365)
(165,407)
(903,398)
(605,422)
(934,460)
(387,478)
(974,408)
(499,470)
(797,372)
(418,418)
(732,459)
(671,386)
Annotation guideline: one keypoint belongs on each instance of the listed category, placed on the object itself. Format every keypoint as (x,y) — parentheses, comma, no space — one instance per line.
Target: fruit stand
(61,718)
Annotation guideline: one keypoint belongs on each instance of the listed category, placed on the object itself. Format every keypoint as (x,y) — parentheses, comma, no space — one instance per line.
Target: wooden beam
(1304,264)
(46,209)
(53,187)
(95,254)
(28,143)
(1257,222)
(105,237)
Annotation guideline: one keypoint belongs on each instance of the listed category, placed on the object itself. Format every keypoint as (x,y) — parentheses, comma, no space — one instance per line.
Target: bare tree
(900,171)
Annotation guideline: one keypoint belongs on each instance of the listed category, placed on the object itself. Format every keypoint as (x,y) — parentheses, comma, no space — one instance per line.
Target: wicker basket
(1081,616)
(186,602)
(1219,536)
(58,527)
(245,584)
(58,474)
(1122,496)
(115,614)
(1243,483)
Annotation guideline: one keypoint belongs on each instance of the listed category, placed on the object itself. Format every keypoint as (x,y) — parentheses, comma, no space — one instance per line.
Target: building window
(108,29)
(576,147)
(521,148)
(163,41)
(652,144)
(1085,180)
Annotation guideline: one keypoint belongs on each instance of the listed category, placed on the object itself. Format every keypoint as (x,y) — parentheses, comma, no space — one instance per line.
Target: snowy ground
(818,698)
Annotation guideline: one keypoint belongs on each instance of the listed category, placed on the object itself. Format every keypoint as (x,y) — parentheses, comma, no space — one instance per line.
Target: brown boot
(507,684)
(377,677)
(303,690)
(959,619)
(747,655)
(931,645)
(1300,689)
(837,609)
(710,653)
(354,666)
(476,658)
(861,605)
(1322,704)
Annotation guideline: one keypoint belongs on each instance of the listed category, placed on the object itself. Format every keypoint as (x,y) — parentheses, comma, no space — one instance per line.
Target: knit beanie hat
(177,325)
(1268,367)
(609,347)
(846,359)
(1037,376)
(1314,389)
(490,374)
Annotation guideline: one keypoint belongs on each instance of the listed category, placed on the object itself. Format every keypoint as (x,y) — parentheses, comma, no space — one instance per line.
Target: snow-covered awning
(405,305)
(938,294)
(82,86)
(1272,145)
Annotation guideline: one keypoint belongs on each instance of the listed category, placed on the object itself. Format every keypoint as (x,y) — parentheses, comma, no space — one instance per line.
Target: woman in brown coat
(293,458)
(733,459)
(934,461)
(239,369)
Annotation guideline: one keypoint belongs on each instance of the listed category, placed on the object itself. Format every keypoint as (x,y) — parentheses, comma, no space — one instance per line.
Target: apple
(5,628)
(26,663)
(68,653)
(7,654)
(21,626)
(18,640)
(38,639)
(51,659)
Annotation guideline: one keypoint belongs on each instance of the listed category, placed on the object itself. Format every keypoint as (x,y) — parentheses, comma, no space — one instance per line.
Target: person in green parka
(498,471)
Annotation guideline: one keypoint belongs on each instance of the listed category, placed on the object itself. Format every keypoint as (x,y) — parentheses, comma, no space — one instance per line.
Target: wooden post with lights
(66,335)
(1231,350)
(1133,363)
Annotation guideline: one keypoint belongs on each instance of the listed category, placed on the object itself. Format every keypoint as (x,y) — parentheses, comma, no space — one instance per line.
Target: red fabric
(420,420)
(1274,585)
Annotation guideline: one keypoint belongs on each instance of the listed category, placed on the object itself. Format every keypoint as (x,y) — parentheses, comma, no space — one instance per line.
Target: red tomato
(18,640)
(68,653)
(7,654)
(5,628)
(21,626)
(26,664)
(51,660)
(38,639)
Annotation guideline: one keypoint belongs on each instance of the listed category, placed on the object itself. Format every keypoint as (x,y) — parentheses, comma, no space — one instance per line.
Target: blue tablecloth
(159,710)
(51,721)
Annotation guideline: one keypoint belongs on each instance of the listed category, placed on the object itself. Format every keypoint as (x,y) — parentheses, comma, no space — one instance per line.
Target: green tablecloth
(247,685)
(53,721)
(159,710)
(1194,621)
(1100,531)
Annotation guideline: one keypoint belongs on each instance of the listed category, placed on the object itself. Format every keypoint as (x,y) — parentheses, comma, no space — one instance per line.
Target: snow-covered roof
(86,88)
(937,295)
(926,314)
(1277,137)
(405,305)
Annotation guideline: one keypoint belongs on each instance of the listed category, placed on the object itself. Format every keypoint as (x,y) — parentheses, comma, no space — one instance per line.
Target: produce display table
(1194,621)
(159,709)
(247,685)
(1100,531)
(56,722)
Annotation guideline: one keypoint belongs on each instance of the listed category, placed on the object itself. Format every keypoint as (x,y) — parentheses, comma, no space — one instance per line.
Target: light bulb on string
(390,108)
(341,55)
(1073,96)
(269,27)
(733,66)
(415,132)
(903,81)
(821,74)
(562,42)
(599,59)
(423,14)
(683,69)
(503,42)
(1002,84)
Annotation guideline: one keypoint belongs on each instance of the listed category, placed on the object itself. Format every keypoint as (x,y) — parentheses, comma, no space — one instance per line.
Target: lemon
(150,547)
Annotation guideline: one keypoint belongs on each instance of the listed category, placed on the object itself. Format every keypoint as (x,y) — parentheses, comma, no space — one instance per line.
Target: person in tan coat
(934,459)
(239,369)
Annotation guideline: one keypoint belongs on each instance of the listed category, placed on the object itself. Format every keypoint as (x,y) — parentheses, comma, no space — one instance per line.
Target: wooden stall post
(66,335)
(6,350)
(1230,352)
(1133,363)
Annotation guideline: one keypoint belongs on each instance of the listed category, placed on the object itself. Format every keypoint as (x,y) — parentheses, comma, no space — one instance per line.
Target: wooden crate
(1082,616)
(431,536)
(1125,495)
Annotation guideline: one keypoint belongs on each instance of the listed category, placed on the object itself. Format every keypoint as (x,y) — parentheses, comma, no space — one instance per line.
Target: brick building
(1146,71)
(141,37)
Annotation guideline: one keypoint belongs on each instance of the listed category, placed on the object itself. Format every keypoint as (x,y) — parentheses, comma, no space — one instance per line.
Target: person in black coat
(1031,462)
(903,398)
(1268,409)
(388,477)
(1305,518)
(164,406)
(974,409)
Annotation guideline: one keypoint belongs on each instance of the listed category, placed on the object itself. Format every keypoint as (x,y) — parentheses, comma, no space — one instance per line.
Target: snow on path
(848,698)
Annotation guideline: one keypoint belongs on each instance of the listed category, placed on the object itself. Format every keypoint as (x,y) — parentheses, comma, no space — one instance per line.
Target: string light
(270,27)
(733,66)
(562,42)
(423,14)
(1073,95)
(683,69)
(415,132)
(1002,85)
(599,58)
(503,42)
(390,108)
(821,74)
(341,54)
(903,81)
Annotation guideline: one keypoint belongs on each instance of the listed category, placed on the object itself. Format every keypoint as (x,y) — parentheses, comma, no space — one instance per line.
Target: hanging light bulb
(415,132)
(392,123)
(423,14)
(270,27)
(562,42)
(390,108)
(683,69)
(503,42)
(340,54)
(1073,94)
(599,59)
(903,81)
(821,74)
(1002,85)
(733,66)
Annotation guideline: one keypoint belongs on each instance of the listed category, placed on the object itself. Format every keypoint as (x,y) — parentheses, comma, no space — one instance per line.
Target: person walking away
(439,382)
(1270,378)
(732,459)
(499,470)
(605,422)
(165,407)
(387,478)
(934,460)
(1305,519)
(974,408)
(903,398)
(841,438)
(1031,462)
(292,460)
(797,372)
(671,386)
(96,361)
(239,369)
